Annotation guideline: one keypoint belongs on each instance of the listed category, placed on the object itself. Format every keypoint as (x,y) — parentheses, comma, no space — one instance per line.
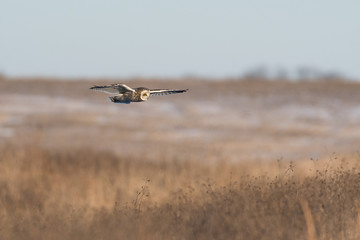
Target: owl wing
(113,88)
(160,92)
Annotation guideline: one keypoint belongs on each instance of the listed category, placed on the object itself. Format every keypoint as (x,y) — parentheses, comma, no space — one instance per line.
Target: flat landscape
(229,159)
(234,120)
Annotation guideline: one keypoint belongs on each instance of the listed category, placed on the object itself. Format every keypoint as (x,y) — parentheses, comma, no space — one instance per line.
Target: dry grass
(195,166)
(96,195)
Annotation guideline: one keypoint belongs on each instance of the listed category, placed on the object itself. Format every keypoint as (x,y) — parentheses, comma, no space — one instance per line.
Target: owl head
(145,94)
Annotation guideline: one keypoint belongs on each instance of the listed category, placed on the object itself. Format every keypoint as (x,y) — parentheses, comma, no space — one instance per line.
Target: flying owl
(125,94)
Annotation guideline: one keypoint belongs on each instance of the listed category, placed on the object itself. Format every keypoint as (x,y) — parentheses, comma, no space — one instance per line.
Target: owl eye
(145,95)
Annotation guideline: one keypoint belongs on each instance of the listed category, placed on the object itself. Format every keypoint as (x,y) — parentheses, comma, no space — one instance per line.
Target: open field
(232,120)
(244,159)
(91,195)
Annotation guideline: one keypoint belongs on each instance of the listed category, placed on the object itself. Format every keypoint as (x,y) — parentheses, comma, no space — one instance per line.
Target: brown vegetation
(96,195)
(196,166)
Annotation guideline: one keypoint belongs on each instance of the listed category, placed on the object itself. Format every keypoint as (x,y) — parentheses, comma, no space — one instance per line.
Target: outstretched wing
(113,88)
(160,92)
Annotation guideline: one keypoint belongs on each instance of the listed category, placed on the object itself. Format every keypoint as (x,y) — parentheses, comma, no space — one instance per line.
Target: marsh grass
(84,194)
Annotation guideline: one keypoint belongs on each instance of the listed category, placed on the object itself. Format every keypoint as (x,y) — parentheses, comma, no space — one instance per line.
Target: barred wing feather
(113,88)
(160,92)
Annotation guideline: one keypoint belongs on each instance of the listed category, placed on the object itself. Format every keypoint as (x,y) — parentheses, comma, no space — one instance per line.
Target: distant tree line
(302,73)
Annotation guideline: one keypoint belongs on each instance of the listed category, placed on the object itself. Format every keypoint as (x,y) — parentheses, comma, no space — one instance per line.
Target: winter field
(231,159)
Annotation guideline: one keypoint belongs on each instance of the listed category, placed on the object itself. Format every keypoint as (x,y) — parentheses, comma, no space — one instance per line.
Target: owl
(125,94)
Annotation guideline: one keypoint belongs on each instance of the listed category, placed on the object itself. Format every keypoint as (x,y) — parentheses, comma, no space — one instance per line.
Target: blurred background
(173,39)
(268,80)
(266,137)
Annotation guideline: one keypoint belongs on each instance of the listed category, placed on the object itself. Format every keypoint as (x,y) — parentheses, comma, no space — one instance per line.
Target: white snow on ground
(243,128)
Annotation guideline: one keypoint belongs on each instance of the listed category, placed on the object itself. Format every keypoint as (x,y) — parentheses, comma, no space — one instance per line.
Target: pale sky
(114,38)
